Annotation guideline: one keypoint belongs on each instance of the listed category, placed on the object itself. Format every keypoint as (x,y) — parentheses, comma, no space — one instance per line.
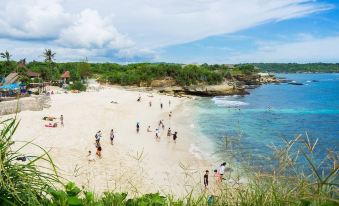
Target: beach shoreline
(136,163)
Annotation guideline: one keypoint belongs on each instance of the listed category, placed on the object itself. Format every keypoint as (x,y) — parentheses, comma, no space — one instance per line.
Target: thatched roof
(28,72)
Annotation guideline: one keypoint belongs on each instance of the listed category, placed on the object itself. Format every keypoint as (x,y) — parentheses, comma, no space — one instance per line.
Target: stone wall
(34,103)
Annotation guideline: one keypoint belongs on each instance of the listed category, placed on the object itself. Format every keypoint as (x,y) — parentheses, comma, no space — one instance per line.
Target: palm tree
(6,56)
(48,55)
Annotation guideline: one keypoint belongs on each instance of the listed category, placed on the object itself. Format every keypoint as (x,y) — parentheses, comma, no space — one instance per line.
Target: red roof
(66,74)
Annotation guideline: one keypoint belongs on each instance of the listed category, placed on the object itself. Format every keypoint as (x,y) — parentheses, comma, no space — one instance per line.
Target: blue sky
(192,31)
(218,48)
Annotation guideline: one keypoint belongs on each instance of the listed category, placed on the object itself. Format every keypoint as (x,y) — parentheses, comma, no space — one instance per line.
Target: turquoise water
(273,111)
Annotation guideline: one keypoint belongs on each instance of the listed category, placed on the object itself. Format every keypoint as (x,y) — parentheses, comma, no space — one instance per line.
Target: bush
(78,85)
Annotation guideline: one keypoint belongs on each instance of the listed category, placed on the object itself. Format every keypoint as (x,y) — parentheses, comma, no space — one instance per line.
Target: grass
(29,183)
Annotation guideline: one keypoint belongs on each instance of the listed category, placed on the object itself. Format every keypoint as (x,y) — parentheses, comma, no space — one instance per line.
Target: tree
(49,55)
(6,55)
(84,70)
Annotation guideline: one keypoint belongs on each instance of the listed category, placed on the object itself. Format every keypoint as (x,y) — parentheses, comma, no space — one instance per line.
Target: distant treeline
(132,74)
(296,68)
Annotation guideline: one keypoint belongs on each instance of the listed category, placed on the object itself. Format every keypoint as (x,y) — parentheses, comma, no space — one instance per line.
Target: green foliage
(295,68)
(84,70)
(78,85)
(22,183)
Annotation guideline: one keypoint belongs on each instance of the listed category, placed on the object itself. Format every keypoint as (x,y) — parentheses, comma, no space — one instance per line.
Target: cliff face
(235,86)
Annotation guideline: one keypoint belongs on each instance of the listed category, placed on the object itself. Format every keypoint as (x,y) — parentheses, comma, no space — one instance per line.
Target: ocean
(272,113)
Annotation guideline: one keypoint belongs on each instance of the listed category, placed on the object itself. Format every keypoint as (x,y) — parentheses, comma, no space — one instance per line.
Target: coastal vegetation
(133,74)
(24,180)
(139,74)
(297,68)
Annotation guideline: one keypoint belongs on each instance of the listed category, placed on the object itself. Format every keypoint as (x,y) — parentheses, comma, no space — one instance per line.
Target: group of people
(98,136)
(161,124)
(157,130)
(55,124)
(218,174)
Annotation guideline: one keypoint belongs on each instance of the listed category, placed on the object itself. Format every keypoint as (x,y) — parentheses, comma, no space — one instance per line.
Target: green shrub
(78,85)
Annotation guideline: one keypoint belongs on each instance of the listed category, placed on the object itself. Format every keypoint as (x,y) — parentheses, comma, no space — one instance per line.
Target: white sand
(136,163)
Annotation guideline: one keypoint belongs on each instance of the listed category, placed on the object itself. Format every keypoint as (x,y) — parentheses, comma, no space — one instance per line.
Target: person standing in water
(111,136)
(169,103)
(150,103)
(161,105)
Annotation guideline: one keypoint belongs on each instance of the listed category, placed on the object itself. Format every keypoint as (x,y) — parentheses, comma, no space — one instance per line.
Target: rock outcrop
(205,90)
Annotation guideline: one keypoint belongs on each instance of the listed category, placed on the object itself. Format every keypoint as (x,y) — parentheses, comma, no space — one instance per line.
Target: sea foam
(226,102)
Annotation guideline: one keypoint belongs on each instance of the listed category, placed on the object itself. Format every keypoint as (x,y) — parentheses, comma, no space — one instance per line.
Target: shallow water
(273,111)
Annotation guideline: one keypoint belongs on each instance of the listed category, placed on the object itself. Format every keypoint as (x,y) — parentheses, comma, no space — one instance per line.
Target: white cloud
(32,19)
(134,27)
(90,30)
(307,50)
(155,23)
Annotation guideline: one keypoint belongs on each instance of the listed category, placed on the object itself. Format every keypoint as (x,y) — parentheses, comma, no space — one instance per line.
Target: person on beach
(97,138)
(150,103)
(62,120)
(138,127)
(111,136)
(206,179)
(139,99)
(169,103)
(170,115)
(162,125)
(222,170)
(161,105)
(90,156)
(169,132)
(217,176)
(149,129)
(157,136)
(98,153)
(175,136)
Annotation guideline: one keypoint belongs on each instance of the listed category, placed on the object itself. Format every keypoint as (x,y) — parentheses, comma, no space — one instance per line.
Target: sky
(176,31)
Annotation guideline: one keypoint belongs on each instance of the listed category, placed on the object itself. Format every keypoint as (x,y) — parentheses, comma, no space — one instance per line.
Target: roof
(66,74)
(13,86)
(32,74)
(28,72)
(11,78)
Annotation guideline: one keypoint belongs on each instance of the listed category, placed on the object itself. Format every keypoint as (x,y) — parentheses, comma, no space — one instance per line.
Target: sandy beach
(136,163)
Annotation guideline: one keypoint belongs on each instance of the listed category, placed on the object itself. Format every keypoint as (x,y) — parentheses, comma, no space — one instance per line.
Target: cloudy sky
(185,31)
